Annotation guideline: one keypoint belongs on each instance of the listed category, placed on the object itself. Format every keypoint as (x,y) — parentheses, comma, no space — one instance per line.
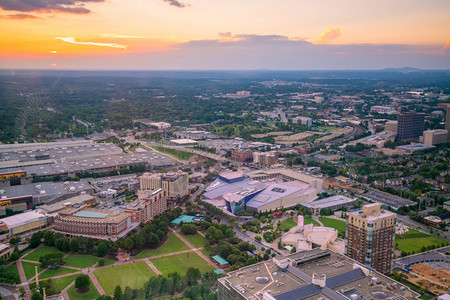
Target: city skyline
(170,34)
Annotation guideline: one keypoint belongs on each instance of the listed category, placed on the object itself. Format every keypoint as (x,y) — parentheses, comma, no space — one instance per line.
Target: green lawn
(196,240)
(80,260)
(333,223)
(29,269)
(60,271)
(59,284)
(34,256)
(180,263)
(413,241)
(108,261)
(289,223)
(172,244)
(74,295)
(12,269)
(133,275)
(178,154)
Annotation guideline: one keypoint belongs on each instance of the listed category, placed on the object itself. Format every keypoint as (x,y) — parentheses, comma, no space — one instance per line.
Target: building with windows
(94,223)
(410,126)
(434,137)
(175,184)
(242,155)
(310,275)
(144,210)
(265,158)
(20,223)
(369,237)
(333,203)
(303,121)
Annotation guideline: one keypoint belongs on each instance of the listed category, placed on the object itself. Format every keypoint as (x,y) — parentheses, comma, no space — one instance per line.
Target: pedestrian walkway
(96,283)
(152,266)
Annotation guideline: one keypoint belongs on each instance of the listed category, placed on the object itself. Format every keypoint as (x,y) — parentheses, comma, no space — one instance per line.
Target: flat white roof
(21,219)
(183,141)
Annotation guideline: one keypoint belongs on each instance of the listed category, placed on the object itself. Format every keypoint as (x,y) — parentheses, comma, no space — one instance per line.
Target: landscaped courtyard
(172,244)
(413,241)
(180,263)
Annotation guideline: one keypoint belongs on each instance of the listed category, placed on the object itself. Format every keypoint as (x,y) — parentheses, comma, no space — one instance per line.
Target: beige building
(434,137)
(265,158)
(370,237)
(176,185)
(391,126)
(23,222)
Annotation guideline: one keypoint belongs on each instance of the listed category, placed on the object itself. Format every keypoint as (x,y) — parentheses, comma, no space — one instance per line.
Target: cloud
(69,6)
(19,17)
(447,45)
(118,36)
(328,35)
(73,41)
(175,3)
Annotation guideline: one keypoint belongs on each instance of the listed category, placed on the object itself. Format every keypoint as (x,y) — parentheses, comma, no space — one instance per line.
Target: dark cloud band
(70,6)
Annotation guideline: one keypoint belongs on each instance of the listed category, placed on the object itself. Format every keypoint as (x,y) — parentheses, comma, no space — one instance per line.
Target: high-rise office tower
(369,237)
(447,122)
(410,126)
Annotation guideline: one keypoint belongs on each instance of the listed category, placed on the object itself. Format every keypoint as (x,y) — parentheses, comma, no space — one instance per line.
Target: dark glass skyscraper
(410,126)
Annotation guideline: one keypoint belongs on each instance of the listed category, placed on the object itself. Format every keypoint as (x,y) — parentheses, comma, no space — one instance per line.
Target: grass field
(74,295)
(80,260)
(178,154)
(133,275)
(289,223)
(172,244)
(413,241)
(34,256)
(29,269)
(108,261)
(60,283)
(60,271)
(12,269)
(333,223)
(180,263)
(196,240)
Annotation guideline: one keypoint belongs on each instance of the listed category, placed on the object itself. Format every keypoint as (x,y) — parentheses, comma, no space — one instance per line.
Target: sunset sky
(224,34)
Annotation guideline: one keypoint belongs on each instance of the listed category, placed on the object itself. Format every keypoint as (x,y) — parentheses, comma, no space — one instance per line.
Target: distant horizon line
(412,69)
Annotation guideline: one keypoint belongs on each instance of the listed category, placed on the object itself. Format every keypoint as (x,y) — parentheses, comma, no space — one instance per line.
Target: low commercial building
(144,210)
(409,149)
(20,223)
(288,175)
(446,205)
(303,121)
(84,199)
(184,142)
(391,126)
(95,223)
(383,109)
(332,203)
(310,275)
(5,251)
(434,137)
(433,221)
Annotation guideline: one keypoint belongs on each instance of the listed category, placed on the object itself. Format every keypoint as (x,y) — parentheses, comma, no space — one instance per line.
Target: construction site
(430,270)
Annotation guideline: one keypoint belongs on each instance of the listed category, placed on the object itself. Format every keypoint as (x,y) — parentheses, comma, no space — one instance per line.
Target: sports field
(180,263)
(333,223)
(413,241)
(133,275)
(172,244)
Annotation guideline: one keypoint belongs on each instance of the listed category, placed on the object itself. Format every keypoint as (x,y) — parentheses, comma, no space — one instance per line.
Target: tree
(102,249)
(49,239)
(118,293)
(189,229)
(36,295)
(90,243)
(82,282)
(74,245)
(35,239)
